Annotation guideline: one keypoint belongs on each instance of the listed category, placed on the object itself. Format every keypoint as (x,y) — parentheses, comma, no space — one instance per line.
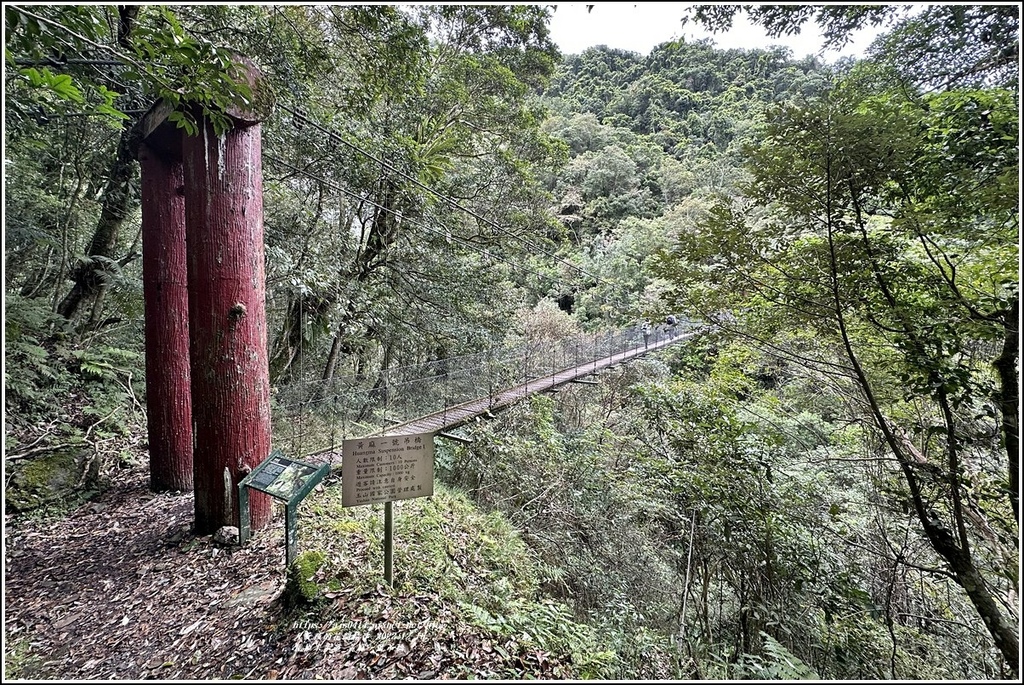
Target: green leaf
(63,86)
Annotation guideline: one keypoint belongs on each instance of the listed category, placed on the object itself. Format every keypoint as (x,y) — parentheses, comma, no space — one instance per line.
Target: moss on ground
(51,480)
(472,565)
(302,588)
(19,662)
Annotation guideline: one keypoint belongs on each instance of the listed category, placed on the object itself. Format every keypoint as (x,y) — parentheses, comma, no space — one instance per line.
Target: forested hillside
(823,482)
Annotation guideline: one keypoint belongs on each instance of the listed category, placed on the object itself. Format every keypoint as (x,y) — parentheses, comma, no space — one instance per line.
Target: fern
(105,363)
(783,664)
(27,370)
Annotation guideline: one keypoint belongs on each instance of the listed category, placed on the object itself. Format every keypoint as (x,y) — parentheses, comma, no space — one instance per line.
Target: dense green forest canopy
(824,483)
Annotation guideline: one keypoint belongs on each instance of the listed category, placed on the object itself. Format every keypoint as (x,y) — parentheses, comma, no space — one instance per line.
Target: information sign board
(283,478)
(384,469)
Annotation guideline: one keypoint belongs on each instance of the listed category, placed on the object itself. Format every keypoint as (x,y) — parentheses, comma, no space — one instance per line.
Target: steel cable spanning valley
(313,417)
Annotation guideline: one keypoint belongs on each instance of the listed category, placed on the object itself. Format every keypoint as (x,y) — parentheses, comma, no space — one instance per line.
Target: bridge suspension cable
(334,135)
(445,234)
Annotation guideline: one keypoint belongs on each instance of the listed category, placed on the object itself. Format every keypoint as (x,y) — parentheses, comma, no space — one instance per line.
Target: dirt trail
(121,589)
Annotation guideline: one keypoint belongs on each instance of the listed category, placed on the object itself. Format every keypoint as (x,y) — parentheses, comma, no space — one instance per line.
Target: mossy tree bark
(93,273)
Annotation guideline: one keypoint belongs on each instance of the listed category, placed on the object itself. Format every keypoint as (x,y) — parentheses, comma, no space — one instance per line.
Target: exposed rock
(57,476)
(226,535)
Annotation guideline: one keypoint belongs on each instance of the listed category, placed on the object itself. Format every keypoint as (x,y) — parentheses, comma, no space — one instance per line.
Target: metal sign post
(286,479)
(389,543)
(385,469)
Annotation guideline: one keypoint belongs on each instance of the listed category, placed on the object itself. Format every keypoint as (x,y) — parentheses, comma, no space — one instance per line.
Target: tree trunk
(227,321)
(92,275)
(956,553)
(288,347)
(292,344)
(332,356)
(165,290)
(1009,397)
(373,246)
(970,579)
(338,346)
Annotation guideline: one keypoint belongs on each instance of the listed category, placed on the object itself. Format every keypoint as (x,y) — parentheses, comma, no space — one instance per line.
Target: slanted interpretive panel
(285,478)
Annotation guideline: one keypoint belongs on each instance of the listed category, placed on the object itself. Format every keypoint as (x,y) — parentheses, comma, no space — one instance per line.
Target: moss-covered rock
(301,588)
(58,477)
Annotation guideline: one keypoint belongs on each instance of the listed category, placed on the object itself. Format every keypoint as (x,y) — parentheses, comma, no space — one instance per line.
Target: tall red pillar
(165,292)
(227,320)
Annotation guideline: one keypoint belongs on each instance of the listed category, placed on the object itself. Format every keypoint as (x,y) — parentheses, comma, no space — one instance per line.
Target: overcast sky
(639,26)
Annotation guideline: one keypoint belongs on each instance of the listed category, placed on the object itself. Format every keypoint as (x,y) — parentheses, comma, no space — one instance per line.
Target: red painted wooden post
(165,291)
(227,320)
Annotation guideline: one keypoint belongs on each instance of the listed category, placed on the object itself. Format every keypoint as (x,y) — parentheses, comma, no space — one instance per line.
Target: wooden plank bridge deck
(453,417)
(450,418)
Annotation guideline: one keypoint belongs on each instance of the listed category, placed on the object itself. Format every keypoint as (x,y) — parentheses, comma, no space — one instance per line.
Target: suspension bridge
(205,189)
(312,419)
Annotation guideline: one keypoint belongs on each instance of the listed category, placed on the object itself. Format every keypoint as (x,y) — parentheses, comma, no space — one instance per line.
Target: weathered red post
(165,292)
(208,387)
(227,317)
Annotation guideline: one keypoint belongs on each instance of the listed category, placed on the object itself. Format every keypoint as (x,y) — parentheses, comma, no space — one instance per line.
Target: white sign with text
(384,469)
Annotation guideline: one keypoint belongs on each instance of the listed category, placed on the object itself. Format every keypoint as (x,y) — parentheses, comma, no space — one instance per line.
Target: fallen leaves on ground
(121,589)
